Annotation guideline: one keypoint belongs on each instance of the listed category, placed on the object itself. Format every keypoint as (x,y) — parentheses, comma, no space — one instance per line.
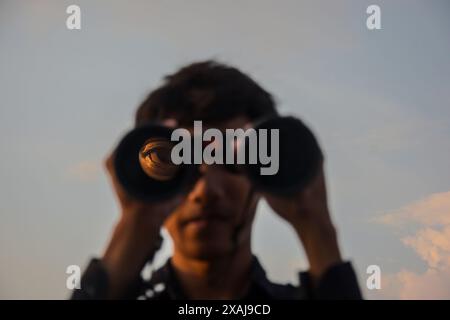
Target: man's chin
(208,251)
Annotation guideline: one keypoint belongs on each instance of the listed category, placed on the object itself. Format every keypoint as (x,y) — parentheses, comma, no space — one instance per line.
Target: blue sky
(379,102)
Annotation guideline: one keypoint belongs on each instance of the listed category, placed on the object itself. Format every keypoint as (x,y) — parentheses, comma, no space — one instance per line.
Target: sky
(378,101)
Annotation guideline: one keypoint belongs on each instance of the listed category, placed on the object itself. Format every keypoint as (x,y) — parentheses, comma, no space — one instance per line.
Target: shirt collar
(260,287)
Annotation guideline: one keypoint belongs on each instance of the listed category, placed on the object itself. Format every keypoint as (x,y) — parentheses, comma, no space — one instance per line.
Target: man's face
(204,225)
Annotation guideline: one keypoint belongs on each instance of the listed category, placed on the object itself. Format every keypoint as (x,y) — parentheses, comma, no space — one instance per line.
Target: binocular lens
(299,157)
(155,159)
(143,164)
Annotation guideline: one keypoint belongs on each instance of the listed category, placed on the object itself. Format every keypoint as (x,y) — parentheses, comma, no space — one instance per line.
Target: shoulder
(272,289)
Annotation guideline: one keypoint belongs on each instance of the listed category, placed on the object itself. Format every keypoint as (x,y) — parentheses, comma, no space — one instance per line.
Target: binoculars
(145,164)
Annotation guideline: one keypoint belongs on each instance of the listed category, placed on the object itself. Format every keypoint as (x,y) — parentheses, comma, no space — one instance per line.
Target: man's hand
(308,214)
(135,236)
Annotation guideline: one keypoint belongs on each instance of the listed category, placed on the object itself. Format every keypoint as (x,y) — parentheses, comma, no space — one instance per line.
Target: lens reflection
(155,159)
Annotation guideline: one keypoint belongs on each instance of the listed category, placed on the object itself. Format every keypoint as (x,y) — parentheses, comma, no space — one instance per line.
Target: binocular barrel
(144,164)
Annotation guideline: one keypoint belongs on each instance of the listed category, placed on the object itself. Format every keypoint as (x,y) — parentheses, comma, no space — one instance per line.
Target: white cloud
(431,242)
(433,210)
(432,245)
(406,285)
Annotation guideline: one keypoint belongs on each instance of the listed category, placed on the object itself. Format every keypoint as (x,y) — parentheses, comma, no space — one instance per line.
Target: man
(211,225)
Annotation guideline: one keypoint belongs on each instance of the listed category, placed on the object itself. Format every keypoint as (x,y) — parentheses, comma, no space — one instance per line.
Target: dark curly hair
(207,91)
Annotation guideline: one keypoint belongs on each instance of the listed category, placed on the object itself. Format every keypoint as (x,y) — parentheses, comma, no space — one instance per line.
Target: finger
(109,162)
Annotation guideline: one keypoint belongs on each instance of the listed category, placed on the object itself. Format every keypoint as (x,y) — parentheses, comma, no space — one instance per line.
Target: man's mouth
(205,219)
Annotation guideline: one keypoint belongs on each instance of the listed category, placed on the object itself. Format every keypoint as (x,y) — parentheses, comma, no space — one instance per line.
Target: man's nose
(208,187)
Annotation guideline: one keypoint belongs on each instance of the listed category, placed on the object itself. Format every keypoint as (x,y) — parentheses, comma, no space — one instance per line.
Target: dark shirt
(338,282)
